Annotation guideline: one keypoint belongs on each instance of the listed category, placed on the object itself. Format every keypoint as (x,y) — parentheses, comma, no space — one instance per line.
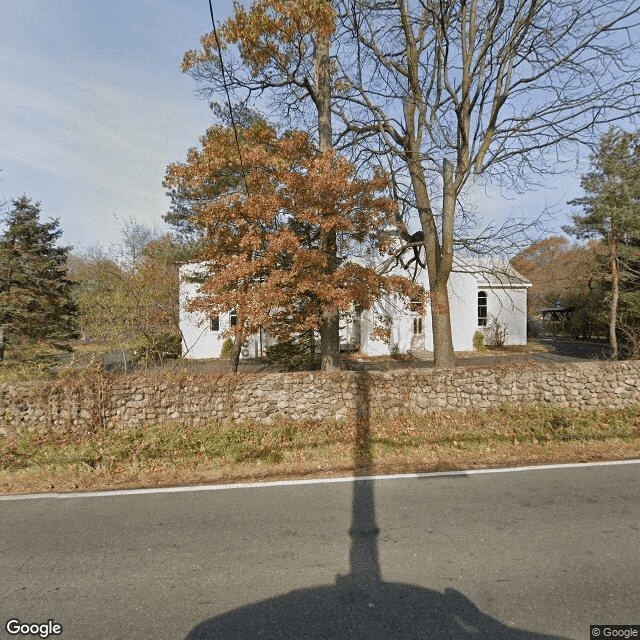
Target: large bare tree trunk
(439,257)
(330,341)
(238,339)
(234,363)
(330,324)
(615,293)
(439,252)
(443,353)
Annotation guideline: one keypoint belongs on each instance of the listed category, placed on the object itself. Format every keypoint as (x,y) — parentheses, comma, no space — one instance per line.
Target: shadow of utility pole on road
(361,605)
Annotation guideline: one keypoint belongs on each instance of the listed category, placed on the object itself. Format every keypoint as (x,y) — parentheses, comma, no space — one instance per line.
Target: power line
(226,89)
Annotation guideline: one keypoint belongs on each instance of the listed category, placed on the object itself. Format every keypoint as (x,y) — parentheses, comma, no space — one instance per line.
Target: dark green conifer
(611,213)
(36,299)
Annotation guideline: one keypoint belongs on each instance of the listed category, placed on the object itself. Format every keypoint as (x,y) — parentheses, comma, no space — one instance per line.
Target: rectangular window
(233,318)
(215,323)
(482,308)
(417,326)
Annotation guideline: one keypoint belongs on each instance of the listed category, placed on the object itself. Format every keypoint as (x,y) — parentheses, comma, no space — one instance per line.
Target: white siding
(199,341)
(506,302)
(463,304)
(368,344)
(509,307)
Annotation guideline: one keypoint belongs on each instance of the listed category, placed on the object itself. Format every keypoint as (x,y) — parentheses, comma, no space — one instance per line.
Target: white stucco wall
(463,303)
(506,303)
(199,341)
(368,344)
(509,307)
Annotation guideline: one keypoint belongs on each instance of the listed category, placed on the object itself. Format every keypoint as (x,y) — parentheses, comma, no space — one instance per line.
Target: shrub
(159,348)
(291,355)
(227,348)
(496,334)
(478,341)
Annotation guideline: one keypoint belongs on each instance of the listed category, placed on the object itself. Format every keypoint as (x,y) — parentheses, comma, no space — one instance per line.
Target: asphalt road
(521,555)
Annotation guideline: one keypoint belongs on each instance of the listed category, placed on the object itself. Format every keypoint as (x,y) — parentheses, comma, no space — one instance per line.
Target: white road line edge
(289,483)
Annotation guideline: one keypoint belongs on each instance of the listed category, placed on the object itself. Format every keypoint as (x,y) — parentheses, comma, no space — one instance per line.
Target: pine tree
(612,214)
(35,295)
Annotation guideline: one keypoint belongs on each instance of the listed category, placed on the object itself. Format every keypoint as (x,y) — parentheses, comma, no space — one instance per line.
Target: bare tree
(452,88)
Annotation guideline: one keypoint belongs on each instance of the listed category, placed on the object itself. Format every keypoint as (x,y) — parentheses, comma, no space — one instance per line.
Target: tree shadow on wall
(361,605)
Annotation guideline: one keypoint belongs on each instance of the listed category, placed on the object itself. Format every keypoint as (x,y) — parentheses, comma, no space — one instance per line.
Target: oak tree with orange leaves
(286,45)
(263,254)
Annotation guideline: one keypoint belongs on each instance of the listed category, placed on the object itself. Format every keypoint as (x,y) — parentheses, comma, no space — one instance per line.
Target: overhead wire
(235,133)
(226,90)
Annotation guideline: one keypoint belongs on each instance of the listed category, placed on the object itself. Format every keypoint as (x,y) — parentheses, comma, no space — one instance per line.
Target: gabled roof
(488,271)
(491,272)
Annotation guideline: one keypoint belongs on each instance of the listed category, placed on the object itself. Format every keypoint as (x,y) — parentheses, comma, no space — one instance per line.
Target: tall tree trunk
(330,340)
(323,93)
(439,257)
(330,323)
(443,353)
(238,339)
(2,338)
(439,252)
(235,355)
(615,292)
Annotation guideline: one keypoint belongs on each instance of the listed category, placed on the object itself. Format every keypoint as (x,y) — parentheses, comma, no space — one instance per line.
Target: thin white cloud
(92,110)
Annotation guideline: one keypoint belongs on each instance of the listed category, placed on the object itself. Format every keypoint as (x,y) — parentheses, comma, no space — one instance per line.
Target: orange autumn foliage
(262,253)
(271,32)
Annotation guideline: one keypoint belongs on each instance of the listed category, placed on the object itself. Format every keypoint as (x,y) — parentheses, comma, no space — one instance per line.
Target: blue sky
(93,107)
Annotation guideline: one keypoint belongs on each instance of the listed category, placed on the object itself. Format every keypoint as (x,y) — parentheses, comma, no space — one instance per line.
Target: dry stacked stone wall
(118,402)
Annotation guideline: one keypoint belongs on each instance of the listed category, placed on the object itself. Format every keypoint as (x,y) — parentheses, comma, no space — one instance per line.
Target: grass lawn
(179,455)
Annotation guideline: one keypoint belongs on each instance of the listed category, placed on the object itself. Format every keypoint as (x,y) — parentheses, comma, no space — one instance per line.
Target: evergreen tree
(612,214)
(35,295)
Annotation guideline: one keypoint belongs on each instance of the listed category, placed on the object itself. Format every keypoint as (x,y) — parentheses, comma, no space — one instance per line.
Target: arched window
(482,308)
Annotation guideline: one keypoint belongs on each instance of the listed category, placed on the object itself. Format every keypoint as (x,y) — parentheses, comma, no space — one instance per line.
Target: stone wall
(119,401)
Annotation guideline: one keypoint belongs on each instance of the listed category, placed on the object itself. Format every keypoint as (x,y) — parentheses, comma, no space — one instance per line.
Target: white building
(484,295)
(202,334)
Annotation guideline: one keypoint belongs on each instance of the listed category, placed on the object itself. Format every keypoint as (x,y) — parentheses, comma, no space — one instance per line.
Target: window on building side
(417,326)
(215,323)
(482,308)
(233,318)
